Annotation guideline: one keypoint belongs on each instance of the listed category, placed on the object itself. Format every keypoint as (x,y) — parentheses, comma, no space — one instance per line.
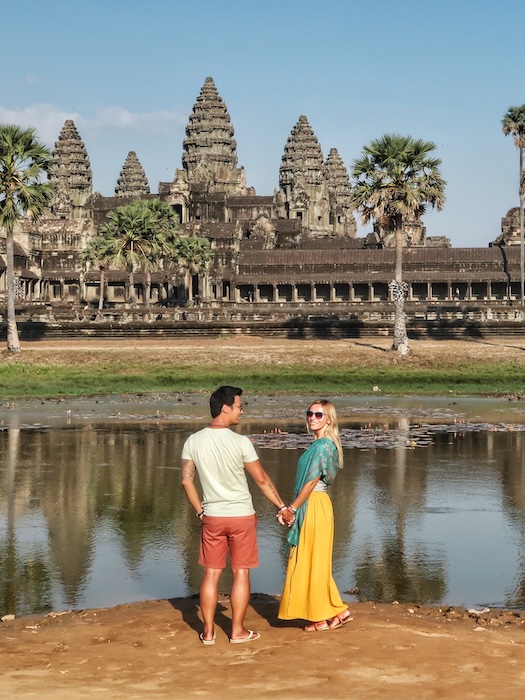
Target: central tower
(209,149)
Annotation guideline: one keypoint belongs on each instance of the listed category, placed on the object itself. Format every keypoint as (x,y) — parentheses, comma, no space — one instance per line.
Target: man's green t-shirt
(219,455)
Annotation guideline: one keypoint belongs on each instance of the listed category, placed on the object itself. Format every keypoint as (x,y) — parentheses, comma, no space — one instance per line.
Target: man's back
(219,455)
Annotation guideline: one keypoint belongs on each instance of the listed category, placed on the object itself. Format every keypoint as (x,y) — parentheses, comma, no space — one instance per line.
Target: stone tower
(341,217)
(303,188)
(70,174)
(132,181)
(209,150)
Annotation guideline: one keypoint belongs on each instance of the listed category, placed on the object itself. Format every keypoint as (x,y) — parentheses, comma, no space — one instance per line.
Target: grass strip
(19,380)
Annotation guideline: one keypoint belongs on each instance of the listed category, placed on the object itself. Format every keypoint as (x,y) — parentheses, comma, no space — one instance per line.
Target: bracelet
(282,508)
(199,514)
(294,511)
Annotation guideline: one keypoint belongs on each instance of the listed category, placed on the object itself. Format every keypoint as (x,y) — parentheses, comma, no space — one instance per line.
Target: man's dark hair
(224,395)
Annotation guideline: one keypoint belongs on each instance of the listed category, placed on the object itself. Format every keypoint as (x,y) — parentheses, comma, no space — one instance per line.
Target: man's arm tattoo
(188,470)
(273,489)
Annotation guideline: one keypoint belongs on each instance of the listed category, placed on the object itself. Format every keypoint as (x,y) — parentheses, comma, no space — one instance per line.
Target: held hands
(286,515)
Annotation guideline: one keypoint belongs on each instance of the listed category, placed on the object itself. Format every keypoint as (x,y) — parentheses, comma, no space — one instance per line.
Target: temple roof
(338,180)
(249,200)
(132,181)
(70,172)
(419,264)
(302,161)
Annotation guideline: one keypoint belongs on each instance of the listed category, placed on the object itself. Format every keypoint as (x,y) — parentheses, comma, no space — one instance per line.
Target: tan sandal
(340,620)
(321,626)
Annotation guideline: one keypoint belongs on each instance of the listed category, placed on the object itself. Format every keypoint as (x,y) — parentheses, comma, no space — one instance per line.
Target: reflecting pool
(430,507)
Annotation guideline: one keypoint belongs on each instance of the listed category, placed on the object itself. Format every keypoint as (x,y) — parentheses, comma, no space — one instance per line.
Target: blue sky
(129,71)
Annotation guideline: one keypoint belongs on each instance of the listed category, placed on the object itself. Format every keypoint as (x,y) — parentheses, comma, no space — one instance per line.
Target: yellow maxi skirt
(310,592)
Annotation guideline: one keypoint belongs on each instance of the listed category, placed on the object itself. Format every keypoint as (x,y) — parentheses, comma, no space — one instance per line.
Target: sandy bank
(151,650)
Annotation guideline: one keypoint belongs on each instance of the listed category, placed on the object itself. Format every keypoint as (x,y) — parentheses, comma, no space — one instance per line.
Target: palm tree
(129,230)
(165,239)
(141,235)
(194,254)
(24,163)
(514,123)
(98,253)
(394,180)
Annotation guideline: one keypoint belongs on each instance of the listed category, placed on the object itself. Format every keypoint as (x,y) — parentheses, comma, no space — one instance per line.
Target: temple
(295,251)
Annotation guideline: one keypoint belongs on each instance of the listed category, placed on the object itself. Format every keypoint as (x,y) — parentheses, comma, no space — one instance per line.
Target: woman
(310,592)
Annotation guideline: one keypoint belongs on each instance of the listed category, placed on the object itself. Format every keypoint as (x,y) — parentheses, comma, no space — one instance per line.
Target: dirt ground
(151,649)
(366,352)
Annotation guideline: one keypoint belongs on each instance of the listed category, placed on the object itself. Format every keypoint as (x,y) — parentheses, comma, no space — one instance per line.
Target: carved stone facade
(414,234)
(510,229)
(341,213)
(297,246)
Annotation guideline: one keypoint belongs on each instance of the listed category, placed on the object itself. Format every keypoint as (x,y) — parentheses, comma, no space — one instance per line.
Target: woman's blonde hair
(332,428)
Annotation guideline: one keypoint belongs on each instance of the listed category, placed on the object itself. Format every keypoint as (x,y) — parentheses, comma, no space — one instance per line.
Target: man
(222,458)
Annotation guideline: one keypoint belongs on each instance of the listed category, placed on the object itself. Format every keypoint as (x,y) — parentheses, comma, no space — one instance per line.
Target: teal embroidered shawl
(320,460)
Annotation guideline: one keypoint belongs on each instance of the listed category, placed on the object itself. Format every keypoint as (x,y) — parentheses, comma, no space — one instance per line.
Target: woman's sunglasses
(317,414)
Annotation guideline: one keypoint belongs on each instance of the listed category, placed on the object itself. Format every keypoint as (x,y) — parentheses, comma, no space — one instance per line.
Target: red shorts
(237,535)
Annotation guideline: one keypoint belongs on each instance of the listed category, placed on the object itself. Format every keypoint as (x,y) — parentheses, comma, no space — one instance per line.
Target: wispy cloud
(48,120)
(158,123)
(45,118)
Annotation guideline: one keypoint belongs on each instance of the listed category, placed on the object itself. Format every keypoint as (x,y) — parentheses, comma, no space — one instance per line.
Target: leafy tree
(194,253)
(127,233)
(394,180)
(24,191)
(142,233)
(514,123)
(166,240)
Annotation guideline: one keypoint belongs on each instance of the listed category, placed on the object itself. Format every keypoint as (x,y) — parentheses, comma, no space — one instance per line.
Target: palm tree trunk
(81,287)
(13,342)
(147,291)
(131,291)
(102,289)
(189,285)
(400,342)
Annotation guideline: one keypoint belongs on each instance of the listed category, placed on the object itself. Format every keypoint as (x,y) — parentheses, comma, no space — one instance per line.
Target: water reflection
(92,514)
(392,569)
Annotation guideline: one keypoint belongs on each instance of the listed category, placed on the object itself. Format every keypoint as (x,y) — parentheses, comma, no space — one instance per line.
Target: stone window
(304,292)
